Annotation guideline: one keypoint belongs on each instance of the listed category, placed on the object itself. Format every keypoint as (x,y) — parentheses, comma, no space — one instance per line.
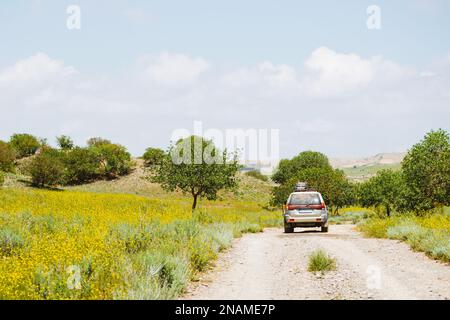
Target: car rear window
(305,198)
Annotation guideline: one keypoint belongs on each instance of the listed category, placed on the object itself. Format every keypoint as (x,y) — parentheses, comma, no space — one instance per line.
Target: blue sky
(264,41)
(232,32)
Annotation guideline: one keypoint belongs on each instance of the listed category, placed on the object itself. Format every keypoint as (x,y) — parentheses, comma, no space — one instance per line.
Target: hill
(360,169)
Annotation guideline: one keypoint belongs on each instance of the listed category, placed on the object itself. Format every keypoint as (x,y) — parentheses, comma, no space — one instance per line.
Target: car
(305,209)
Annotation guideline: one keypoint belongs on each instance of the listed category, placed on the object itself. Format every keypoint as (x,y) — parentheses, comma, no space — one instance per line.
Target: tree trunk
(194,204)
(388,210)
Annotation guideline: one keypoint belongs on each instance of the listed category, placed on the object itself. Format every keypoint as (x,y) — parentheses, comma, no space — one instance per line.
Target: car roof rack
(301,186)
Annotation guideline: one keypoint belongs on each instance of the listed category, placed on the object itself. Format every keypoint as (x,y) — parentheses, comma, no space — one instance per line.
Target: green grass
(320,261)
(351,215)
(429,234)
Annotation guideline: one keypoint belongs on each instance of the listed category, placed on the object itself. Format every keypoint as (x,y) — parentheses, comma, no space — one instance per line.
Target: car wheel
(288,229)
(324,229)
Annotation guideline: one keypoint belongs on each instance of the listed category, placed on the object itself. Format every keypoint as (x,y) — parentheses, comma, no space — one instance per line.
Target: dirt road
(273,265)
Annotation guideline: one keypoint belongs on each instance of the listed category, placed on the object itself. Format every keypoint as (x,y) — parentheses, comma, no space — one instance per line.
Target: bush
(153,157)
(434,243)
(10,240)
(114,160)
(65,142)
(47,168)
(319,260)
(2,178)
(24,144)
(81,166)
(257,175)
(7,157)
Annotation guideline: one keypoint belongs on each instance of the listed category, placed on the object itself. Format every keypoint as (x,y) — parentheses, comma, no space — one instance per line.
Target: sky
(136,71)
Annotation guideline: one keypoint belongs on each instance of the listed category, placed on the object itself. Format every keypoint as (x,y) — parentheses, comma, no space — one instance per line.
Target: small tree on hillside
(47,168)
(153,157)
(65,142)
(7,157)
(24,144)
(196,167)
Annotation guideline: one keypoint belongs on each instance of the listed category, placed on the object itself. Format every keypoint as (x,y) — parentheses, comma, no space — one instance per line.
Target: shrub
(153,156)
(47,168)
(81,166)
(433,242)
(114,159)
(7,157)
(257,175)
(2,178)
(24,144)
(319,260)
(65,142)
(10,240)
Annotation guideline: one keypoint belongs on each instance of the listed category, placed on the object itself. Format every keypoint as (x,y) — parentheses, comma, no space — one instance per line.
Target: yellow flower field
(76,245)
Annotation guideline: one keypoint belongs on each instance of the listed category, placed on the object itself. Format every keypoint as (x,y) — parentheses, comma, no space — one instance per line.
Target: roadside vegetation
(123,246)
(320,261)
(408,203)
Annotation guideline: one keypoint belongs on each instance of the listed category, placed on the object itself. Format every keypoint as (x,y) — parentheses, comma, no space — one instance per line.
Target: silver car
(305,209)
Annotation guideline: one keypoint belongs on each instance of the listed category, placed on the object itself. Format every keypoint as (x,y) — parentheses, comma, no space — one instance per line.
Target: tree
(426,169)
(97,141)
(308,159)
(153,157)
(47,168)
(2,178)
(81,165)
(196,167)
(332,184)
(114,160)
(24,144)
(64,142)
(7,157)
(385,189)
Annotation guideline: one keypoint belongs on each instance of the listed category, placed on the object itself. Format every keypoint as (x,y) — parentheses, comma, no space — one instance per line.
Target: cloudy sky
(138,70)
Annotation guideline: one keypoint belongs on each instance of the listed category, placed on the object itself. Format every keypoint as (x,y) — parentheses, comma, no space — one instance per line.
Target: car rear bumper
(308,221)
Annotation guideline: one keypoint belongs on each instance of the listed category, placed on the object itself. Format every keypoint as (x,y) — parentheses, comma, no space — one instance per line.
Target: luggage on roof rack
(301,186)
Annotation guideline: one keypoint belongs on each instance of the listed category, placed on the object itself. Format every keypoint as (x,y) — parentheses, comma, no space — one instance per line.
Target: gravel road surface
(273,265)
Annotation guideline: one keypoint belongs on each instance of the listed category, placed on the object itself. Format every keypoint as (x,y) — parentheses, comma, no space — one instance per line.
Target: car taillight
(323,206)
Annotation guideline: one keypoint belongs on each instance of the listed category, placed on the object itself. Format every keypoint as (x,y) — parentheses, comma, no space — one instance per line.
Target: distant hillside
(360,169)
(379,159)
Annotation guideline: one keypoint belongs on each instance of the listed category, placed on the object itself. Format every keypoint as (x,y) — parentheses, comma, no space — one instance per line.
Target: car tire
(288,229)
(324,229)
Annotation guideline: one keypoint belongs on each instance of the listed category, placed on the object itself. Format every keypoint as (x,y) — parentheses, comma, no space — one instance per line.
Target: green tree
(153,157)
(426,169)
(196,167)
(386,189)
(2,178)
(96,141)
(64,142)
(305,160)
(47,168)
(114,160)
(332,184)
(81,165)
(24,144)
(7,157)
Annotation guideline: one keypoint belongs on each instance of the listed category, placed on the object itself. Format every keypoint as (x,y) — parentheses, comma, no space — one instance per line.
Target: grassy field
(429,234)
(118,245)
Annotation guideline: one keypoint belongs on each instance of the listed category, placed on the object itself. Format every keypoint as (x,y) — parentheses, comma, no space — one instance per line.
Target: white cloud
(174,69)
(38,69)
(341,103)
(333,73)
